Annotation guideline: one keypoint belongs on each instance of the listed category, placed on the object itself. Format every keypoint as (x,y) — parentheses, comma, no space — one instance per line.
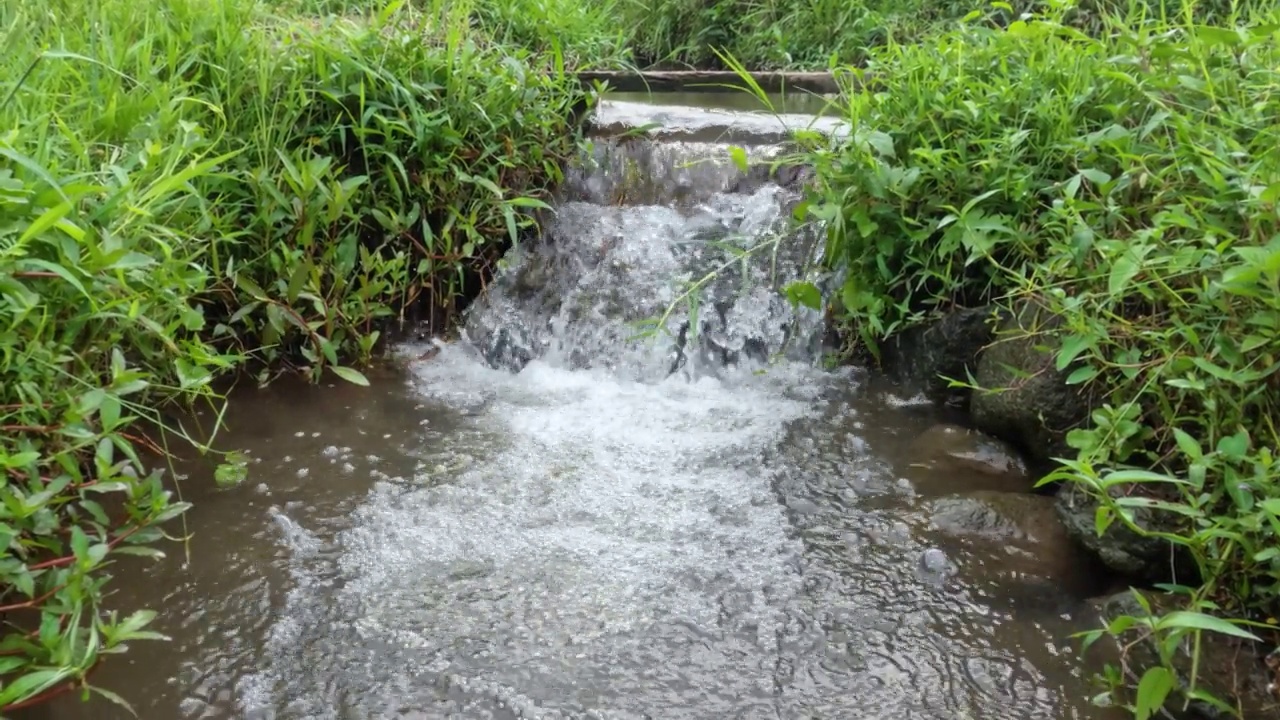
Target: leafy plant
(1124,181)
(190,189)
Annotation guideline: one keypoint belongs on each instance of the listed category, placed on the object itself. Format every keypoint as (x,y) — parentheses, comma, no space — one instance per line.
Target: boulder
(1231,669)
(949,458)
(1022,398)
(920,358)
(1119,548)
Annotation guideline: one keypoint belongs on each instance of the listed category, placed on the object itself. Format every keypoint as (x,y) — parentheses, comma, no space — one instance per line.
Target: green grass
(191,188)
(194,188)
(772,34)
(818,34)
(1127,181)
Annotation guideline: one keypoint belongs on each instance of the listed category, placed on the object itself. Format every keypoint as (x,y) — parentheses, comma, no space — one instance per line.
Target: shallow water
(553,518)
(463,542)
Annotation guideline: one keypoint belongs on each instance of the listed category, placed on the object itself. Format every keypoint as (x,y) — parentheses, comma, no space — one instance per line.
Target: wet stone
(950,458)
(1016,536)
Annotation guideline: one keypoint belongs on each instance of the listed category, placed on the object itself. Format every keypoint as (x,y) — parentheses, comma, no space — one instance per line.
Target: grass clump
(773,34)
(1127,182)
(194,187)
(821,34)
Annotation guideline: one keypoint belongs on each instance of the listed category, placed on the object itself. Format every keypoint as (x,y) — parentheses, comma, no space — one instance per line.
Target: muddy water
(460,542)
(553,518)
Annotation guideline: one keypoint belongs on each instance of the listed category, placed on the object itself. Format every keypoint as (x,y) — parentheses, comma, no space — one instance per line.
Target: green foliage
(766,34)
(578,33)
(815,34)
(1126,181)
(191,187)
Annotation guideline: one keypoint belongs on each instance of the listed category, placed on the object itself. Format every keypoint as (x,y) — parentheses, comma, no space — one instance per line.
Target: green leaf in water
(351,375)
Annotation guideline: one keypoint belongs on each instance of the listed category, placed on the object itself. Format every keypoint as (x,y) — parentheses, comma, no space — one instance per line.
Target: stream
(556,516)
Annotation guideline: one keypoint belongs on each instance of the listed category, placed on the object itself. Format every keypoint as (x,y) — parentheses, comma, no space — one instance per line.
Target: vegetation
(194,187)
(191,188)
(769,34)
(1127,181)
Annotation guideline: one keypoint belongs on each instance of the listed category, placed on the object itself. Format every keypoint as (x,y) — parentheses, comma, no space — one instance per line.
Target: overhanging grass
(189,187)
(1126,181)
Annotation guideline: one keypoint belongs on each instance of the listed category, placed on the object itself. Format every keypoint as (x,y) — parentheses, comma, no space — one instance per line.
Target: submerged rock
(1023,398)
(1012,536)
(950,458)
(1012,517)
(1231,669)
(921,358)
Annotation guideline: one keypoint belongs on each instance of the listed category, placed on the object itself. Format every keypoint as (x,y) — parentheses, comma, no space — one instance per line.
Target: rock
(1230,669)
(1023,398)
(950,458)
(1019,518)
(1013,536)
(919,358)
(791,176)
(1120,548)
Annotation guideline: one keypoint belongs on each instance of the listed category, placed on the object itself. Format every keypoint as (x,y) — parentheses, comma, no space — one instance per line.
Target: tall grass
(820,34)
(1125,181)
(771,34)
(191,187)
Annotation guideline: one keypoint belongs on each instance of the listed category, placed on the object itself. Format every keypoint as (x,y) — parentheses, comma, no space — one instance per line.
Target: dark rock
(1022,397)
(1120,548)
(790,176)
(1231,669)
(922,357)
(950,458)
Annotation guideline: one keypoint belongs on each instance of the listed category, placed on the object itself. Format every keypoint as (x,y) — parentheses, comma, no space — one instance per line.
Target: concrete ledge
(821,83)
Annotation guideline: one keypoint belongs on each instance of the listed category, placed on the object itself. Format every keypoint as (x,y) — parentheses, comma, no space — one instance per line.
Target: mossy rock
(1120,549)
(1022,397)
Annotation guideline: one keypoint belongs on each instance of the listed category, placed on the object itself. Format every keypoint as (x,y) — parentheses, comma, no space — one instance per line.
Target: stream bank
(553,518)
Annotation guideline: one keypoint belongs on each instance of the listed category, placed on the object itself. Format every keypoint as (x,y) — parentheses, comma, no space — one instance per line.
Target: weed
(1126,181)
(193,187)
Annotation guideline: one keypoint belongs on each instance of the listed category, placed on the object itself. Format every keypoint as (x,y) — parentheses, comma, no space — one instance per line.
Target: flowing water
(560,517)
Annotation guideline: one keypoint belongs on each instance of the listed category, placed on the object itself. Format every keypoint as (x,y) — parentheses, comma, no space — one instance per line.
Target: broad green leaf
(113,698)
(61,272)
(1082,375)
(79,544)
(32,684)
(805,293)
(1187,444)
(1153,689)
(1234,446)
(1071,348)
(1139,476)
(49,218)
(350,375)
(1123,270)
(1189,620)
